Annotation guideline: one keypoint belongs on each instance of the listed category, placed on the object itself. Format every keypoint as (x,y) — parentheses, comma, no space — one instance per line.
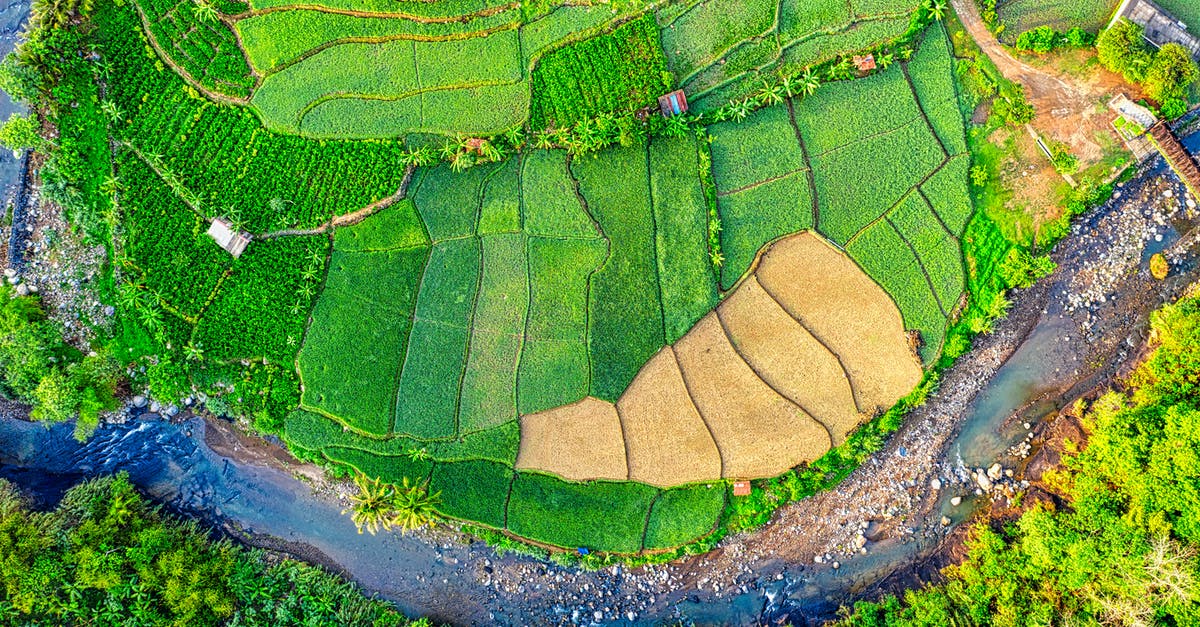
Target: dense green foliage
(1124,549)
(615,72)
(199,44)
(37,367)
(1166,73)
(107,556)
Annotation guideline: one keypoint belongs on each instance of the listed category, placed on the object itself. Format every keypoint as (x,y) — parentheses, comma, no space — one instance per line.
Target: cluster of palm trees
(791,85)
(55,14)
(380,505)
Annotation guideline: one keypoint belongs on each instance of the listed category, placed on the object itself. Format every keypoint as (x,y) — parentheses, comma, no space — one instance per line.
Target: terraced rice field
(545,340)
(717,48)
(885,182)
(368,69)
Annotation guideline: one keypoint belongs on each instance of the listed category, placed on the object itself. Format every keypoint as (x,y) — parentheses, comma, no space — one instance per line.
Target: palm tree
(770,93)
(543,141)
(788,84)
(886,60)
(206,12)
(809,82)
(414,507)
(937,9)
(371,509)
(742,108)
(193,352)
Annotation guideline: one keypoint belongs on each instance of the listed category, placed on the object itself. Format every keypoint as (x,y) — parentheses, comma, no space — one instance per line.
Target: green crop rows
(616,72)
(901,160)
(204,48)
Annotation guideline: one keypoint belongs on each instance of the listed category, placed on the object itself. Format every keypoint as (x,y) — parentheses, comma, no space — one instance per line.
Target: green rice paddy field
(364,68)
(421,333)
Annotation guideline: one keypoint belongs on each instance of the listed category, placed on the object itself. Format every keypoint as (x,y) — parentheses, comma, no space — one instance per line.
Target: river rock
(139,401)
(945,521)
(172,411)
(9,273)
(956,501)
(995,472)
(984,482)
(22,290)
(936,484)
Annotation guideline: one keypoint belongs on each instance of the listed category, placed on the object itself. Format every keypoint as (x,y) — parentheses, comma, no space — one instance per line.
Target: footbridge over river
(1177,156)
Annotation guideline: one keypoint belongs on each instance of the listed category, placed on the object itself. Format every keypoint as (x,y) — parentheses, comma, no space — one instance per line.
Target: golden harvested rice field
(795,358)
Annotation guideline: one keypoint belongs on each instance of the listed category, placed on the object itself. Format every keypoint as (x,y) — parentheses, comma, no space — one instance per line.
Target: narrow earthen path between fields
(1040,86)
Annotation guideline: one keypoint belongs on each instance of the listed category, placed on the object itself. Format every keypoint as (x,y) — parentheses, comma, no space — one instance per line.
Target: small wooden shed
(741,488)
(865,63)
(673,103)
(234,242)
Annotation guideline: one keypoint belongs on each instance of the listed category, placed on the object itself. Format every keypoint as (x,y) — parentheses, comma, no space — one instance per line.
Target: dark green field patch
(762,146)
(755,216)
(681,515)
(398,226)
(625,313)
(389,469)
(615,72)
(500,211)
(604,516)
(686,278)
(351,359)
(551,206)
(262,306)
(475,491)
(167,241)
(449,201)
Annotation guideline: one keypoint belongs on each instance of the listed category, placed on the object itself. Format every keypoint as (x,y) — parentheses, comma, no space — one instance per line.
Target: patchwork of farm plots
(717,48)
(559,315)
(453,323)
(364,68)
(877,165)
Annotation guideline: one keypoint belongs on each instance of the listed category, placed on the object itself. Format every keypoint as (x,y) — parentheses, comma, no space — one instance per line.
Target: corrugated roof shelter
(234,242)
(865,63)
(1160,26)
(741,488)
(673,103)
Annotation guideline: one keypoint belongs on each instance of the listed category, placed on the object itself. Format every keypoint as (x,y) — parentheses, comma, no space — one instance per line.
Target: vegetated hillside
(1123,549)
(106,555)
